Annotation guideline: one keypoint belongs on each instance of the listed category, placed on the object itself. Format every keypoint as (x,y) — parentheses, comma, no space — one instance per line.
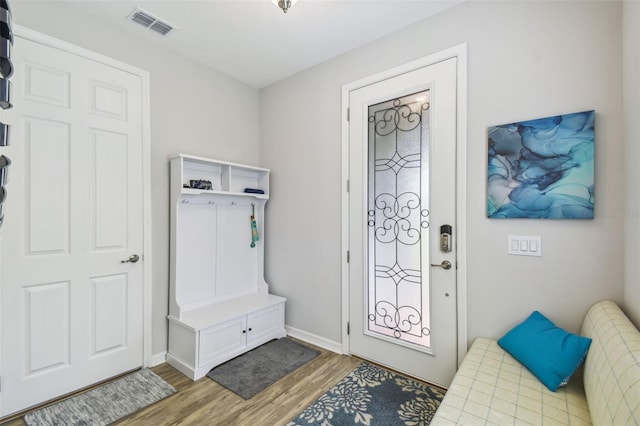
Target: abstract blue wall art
(542,169)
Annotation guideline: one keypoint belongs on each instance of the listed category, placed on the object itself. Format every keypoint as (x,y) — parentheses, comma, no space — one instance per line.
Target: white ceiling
(254,41)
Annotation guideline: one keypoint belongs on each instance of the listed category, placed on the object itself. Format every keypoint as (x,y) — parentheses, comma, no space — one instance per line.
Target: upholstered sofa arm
(612,367)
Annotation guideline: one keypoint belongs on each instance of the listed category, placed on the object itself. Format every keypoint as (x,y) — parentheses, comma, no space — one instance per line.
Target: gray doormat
(256,370)
(106,403)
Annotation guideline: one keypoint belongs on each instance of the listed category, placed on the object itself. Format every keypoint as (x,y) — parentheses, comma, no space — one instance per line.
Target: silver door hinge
(348,256)
(348,114)
(348,185)
(348,328)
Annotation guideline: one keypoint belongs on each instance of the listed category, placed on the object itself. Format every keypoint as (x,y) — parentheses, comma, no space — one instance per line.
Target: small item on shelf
(253,191)
(6,66)
(5,162)
(6,40)
(201,184)
(5,94)
(254,226)
(4,134)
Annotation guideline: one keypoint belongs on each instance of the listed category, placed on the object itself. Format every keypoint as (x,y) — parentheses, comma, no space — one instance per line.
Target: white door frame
(28,34)
(459,52)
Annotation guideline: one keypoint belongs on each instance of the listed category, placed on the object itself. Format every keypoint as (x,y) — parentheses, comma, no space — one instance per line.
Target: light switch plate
(523,245)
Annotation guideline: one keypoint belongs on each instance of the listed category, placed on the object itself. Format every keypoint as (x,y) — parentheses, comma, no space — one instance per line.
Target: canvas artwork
(543,168)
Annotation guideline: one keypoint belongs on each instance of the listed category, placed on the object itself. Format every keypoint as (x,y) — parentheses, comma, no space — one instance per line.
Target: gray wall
(526,60)
(631,52)
(194,110)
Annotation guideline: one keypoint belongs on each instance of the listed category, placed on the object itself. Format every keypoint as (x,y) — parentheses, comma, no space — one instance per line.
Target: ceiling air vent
(161,27)
(149,21)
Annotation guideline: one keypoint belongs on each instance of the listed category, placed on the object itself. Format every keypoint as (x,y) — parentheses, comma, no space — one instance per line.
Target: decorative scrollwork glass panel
(398,219)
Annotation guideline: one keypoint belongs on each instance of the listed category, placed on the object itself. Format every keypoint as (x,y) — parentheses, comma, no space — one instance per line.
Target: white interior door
(402,172)
(72,313)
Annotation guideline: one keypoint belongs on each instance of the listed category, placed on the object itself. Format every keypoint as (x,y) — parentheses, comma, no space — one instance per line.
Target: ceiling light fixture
(284,4)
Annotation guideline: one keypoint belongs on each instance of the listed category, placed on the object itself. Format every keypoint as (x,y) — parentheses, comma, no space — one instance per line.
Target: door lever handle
(444,265)
(133,259)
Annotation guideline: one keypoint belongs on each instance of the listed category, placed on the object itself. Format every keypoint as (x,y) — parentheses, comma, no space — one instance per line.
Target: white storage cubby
(219,304)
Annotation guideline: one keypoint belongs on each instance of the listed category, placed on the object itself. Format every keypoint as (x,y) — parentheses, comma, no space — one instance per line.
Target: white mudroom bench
(493,388)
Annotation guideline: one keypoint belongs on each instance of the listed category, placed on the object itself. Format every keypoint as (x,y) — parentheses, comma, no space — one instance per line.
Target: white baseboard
(296,333)
(314,339)
(158,359)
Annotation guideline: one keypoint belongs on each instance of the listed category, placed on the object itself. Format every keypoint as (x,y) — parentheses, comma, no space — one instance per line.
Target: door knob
(133,259)
(444,265)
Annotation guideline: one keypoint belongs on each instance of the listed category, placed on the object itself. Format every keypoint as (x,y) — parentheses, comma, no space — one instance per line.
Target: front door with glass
(402,138)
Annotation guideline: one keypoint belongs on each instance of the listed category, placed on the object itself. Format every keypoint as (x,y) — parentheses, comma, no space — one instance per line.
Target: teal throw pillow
(549,352)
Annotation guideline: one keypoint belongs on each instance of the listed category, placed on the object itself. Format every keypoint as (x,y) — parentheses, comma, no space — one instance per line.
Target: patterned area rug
(106,403)
(372,396)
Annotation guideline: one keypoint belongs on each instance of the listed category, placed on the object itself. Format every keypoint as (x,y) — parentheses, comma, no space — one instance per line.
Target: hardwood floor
(204,402)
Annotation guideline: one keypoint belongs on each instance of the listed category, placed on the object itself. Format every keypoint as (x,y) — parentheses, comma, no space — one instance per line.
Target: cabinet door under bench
(221,342)
(264,324)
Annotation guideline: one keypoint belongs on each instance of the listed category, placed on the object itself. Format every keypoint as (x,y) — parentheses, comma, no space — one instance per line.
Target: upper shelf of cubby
(226,178)
(191,191)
